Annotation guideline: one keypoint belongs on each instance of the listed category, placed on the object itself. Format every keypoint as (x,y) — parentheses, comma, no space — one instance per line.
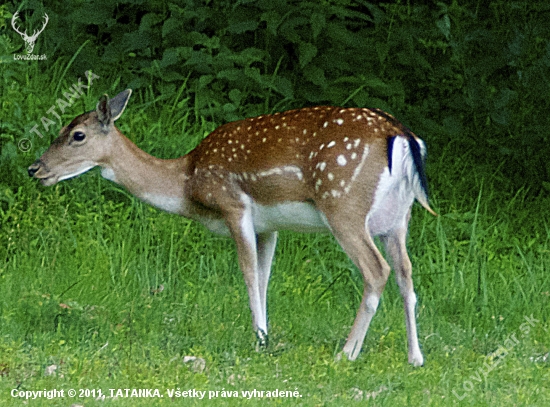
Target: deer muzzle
(33,169)
(39,171)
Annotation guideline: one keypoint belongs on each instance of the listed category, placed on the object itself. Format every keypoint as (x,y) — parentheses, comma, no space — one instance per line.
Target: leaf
(232,74)
(196,38)
(229,108)
(501,113)
(205,80)
(172,75)
(242,26)
(235,95)
(378,14)
(444,25)
(307,52)
(382,50)
(316,75)
(284,87)
(170,56)
(148,21)
(170,25)
(340,34)
(201,61)
(318,22)
(136,40)
(361,98)
(504,97)
(254,73)
(273,20)
(91,14)
(288,28)
(247,56)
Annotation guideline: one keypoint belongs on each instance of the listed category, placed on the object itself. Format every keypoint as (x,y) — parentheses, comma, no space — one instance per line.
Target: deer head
(83,144)
(29,40)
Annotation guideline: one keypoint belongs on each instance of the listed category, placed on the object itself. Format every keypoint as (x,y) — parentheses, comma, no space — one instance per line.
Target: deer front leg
(242,231)
(396,249)
(266,243)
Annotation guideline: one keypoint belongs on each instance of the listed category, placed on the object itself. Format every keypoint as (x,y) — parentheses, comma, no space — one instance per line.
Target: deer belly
(294,216)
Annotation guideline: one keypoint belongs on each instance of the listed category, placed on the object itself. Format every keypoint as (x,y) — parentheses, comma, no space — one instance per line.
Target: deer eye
(78,136)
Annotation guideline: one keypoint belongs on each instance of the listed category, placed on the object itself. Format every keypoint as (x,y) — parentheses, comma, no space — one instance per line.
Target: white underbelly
(217,226)
(294,216)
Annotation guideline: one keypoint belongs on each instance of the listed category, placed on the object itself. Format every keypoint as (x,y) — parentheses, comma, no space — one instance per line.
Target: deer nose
(33,168)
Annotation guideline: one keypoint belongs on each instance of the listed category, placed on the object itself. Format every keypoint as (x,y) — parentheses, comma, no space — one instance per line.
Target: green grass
(82,263)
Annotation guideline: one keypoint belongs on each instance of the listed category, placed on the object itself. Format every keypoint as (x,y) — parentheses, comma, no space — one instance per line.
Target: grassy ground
(108,293)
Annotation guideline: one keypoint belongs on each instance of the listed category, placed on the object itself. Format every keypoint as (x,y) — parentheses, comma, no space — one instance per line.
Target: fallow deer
(354,172)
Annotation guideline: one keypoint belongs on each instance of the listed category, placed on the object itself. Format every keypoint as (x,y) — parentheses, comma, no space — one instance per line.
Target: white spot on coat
(360,166)
(341,160)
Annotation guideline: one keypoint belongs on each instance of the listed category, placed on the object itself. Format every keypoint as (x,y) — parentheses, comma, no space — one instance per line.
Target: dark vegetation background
(470,77)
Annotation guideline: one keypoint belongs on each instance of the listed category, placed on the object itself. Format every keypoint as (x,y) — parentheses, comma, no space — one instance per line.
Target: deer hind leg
(266,243)
(396,249)
(358,244)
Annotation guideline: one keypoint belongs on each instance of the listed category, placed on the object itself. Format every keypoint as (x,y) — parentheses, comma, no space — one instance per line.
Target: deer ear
(109,110)
(103,111)
(119,102)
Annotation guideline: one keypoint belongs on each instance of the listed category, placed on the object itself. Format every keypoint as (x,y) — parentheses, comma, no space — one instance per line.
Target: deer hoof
(262,341)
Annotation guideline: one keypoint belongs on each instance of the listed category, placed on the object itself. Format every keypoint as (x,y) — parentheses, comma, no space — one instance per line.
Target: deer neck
(156,181)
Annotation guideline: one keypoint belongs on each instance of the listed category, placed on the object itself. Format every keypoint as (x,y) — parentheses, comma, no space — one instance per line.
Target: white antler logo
(29,40)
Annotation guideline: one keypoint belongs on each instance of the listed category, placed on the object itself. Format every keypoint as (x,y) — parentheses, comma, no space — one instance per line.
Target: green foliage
(448,69)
